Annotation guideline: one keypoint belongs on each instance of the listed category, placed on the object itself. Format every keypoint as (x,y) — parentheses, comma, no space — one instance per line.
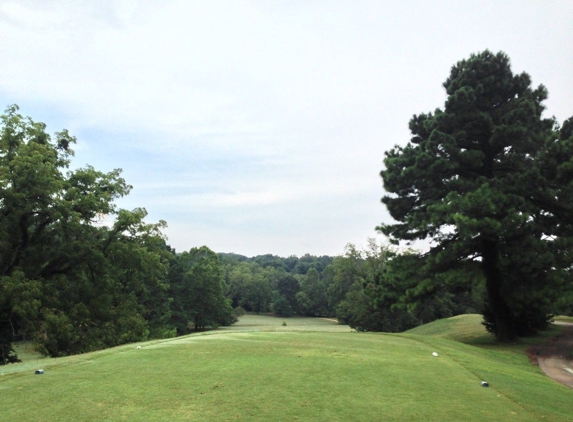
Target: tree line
(371,289)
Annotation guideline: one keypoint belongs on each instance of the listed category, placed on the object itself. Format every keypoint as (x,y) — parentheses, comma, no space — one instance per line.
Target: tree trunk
(504,329)
(197,320)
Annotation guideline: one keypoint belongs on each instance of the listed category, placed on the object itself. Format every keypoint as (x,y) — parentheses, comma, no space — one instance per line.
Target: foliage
(489,181)
(65,281)
(390,292)
(345,271)
(264,282)
(280,306)
(368,305)
(372,290)
(198,289)
(312,299)
(433,296)
(307,261)
(239,312)
(288,287)
(7,352)
(249,285)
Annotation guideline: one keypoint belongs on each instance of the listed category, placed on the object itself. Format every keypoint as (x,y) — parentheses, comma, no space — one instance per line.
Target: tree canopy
(198,288)
(66,282)
(488,180)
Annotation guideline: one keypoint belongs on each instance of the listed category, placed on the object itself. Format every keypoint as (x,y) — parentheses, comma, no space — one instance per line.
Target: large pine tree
(488,179)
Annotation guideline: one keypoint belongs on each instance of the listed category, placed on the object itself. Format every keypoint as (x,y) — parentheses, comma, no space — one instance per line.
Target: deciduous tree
(198,289)
(68,283)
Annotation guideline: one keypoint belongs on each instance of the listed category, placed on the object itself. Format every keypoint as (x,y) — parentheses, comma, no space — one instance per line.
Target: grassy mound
(563,318)
(327,374)
(463,328)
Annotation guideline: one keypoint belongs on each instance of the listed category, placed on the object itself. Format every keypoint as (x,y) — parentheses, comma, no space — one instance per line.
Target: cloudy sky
(260,126)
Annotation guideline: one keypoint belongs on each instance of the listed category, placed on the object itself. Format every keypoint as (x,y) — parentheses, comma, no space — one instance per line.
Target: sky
(260,127)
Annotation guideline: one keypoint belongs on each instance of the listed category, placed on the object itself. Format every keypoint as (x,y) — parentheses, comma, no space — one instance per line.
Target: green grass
(253,322)
(463,328)
(26,352)
(563,318)
(308,370)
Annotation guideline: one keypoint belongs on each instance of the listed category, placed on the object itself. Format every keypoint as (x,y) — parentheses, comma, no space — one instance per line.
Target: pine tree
(486,179)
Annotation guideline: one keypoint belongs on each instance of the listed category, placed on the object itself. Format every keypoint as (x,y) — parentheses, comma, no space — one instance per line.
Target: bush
(238,312)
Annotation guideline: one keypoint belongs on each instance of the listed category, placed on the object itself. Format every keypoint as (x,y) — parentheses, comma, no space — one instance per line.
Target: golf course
(292,369)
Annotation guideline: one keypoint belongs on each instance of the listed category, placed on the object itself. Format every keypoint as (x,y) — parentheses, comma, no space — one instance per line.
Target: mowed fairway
(260,370)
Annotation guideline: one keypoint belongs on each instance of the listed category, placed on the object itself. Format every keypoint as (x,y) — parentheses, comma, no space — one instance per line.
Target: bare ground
(555,357)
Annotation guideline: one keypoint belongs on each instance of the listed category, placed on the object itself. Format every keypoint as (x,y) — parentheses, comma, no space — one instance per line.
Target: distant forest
(375,289)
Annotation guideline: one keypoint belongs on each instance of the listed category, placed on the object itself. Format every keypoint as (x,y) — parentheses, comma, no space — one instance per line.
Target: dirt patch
(555,357)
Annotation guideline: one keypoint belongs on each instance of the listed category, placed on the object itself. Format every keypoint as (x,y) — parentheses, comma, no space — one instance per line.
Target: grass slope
(308,370)
(567,319)
(463,328)
(506,367)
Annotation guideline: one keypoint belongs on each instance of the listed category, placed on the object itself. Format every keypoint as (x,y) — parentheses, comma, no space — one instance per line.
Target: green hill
(286,374)
(463,328)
